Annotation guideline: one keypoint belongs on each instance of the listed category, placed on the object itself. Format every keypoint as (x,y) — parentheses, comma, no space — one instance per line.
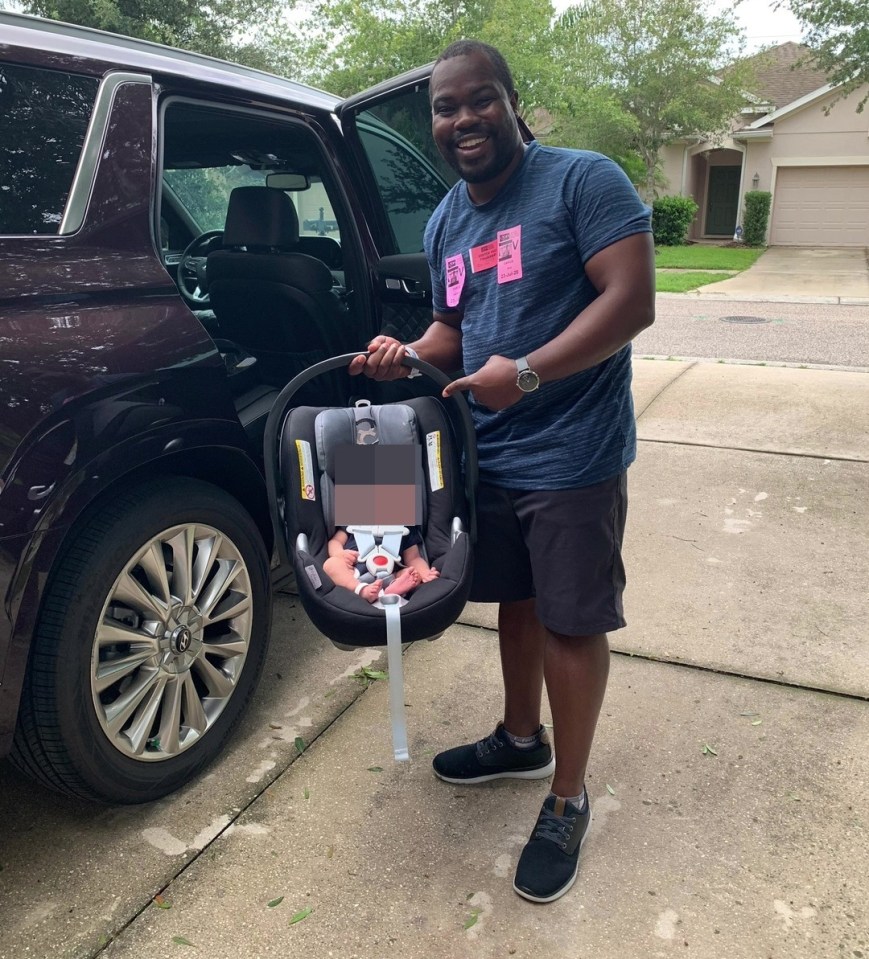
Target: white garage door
(821,206)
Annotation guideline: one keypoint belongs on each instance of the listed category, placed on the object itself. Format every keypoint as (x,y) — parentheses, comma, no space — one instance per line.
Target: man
(542,271)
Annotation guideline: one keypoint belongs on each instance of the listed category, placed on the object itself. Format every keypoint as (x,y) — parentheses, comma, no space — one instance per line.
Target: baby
(341,566)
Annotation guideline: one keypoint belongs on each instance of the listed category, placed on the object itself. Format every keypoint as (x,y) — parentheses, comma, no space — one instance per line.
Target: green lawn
(699,257)
(682,282)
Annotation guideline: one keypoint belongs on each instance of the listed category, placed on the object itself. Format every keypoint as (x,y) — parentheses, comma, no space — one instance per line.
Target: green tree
(838,33)
(353,44)
(641,73)
(240,30)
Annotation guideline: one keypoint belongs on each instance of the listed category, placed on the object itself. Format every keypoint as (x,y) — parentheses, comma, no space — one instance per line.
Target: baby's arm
(413,558)
(336,548)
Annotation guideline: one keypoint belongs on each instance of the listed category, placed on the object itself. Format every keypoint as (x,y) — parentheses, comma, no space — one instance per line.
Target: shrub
(757,204)
(671,217)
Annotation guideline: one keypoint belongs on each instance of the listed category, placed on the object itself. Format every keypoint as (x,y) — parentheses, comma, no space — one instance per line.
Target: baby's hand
(350,557)
(430,574)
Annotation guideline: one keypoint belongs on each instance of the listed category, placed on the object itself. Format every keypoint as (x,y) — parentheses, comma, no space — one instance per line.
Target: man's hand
(493,385)
(383,362)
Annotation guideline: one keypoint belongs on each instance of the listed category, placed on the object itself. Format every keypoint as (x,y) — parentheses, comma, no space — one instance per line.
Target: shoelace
(489,744)
(555,828)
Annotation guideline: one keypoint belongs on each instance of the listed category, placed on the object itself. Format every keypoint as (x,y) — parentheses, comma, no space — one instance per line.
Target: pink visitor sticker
(510,254)
(455,278)
(484,257)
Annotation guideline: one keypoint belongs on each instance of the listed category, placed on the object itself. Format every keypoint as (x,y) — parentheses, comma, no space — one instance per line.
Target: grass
(700,257)
(682,282)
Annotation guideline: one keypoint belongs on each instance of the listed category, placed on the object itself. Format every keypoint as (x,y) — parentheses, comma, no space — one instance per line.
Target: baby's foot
(371,591)
(406,580)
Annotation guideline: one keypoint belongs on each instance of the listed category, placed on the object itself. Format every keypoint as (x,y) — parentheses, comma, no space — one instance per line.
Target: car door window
(410,175)
(44,116)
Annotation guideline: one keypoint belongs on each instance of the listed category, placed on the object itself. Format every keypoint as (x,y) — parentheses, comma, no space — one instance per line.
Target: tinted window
(44,117)
(208,152)
(204,193)
(410,174)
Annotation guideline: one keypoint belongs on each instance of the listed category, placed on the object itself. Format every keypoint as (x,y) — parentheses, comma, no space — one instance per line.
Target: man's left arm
(624,276)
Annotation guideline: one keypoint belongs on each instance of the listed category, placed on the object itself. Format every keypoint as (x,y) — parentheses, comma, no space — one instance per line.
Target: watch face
(528,381)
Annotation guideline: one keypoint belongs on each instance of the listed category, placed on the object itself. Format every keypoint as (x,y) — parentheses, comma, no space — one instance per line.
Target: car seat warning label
(306,470)
(435,466)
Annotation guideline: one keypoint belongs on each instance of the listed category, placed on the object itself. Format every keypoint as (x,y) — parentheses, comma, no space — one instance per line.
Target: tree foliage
(240,30)
(757,207)
(838,33)
(671,217)
(642,73)
(353,44)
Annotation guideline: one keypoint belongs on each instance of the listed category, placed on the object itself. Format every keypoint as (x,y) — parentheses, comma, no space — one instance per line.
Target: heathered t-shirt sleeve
(433,252)
(605,206)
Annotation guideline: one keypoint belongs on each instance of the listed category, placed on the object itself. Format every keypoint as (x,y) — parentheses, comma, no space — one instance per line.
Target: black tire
(110,628)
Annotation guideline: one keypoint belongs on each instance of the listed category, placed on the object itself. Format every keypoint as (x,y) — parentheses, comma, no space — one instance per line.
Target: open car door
(388,128)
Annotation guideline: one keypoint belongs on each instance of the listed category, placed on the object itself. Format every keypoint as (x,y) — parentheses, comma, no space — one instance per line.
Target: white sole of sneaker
(542,773)
(566,887)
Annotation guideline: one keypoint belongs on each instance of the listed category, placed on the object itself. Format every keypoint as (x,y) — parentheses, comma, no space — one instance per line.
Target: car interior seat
(274,302)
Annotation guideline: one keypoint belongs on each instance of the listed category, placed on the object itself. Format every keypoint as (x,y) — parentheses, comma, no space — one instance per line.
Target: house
(791,140)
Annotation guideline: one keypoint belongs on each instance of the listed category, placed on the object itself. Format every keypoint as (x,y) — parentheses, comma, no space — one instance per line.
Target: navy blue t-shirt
(514,268)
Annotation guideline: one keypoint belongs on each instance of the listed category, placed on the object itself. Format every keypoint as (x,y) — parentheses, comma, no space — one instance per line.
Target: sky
(764,25)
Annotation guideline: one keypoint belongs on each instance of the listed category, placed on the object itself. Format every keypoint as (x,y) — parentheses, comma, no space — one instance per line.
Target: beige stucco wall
(758,159)
(671,168)
(810,132)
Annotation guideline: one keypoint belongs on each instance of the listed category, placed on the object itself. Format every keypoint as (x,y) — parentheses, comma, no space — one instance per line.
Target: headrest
(395,424)
(258,216)
(324,248)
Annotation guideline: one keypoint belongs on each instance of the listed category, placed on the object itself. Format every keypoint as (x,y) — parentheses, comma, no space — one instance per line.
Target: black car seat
(276,303)
(301,444)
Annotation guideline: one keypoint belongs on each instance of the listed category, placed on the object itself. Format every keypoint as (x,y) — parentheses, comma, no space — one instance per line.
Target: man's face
(474,119)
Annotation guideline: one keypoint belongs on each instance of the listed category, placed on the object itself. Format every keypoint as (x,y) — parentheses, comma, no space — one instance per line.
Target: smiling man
(542,271)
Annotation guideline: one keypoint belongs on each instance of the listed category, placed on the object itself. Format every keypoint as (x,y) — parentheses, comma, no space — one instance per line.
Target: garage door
(821,206)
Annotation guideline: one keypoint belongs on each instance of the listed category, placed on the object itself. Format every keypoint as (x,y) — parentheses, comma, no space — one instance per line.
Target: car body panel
(107,375)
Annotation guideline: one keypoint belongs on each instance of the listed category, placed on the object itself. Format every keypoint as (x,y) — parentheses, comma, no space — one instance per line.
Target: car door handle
(403,284)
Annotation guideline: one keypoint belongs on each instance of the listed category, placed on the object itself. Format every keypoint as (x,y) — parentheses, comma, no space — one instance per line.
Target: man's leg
(522,639)
(576,670)
(498,756)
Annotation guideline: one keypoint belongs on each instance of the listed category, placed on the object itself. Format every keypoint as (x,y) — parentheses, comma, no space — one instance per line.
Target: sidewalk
(748,555)
(794,274)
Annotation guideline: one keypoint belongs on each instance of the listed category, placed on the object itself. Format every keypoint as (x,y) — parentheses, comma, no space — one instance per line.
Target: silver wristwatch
(527,380)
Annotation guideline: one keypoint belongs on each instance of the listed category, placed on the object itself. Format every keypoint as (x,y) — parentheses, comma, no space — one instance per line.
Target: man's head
(474,120)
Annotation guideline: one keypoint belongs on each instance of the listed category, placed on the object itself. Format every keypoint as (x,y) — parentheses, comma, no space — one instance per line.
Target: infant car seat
(300,446)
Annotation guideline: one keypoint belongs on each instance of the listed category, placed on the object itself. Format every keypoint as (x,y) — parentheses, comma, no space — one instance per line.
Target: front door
(722,204)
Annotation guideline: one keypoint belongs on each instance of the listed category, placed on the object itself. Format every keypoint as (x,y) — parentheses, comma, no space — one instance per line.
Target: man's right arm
(440,345)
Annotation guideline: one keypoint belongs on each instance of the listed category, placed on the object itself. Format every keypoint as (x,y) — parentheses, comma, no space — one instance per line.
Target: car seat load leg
(392,609)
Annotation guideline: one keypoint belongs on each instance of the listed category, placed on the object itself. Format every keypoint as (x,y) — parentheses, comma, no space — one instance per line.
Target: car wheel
(151,639)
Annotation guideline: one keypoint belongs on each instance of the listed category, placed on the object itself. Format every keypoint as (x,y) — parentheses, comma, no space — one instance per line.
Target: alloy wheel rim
(171,643)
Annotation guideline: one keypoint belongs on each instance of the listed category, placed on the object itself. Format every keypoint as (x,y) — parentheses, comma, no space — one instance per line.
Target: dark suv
(178,237)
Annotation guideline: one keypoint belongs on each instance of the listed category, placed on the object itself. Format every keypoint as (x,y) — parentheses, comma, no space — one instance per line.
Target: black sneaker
(495,758)
(548,864)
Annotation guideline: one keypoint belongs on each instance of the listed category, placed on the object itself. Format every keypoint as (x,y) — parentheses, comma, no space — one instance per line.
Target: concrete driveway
(796,273)
(728,779)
